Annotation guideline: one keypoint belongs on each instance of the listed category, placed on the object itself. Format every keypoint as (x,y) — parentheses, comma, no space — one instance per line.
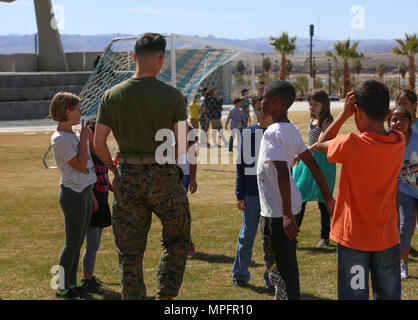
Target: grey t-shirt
(66,146)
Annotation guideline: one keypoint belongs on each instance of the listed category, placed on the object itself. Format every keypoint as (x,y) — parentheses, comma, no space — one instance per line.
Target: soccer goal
(189,63)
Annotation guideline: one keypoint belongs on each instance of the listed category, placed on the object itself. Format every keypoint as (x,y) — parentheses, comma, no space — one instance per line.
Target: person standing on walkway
(135,110)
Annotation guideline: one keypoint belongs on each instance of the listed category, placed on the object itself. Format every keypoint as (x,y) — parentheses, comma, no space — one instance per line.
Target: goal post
(188,62)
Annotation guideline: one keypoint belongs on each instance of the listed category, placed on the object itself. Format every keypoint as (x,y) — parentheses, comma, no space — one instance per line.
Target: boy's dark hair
(411,95)
(283,91)
(91,123)
(150,43)
(373,98)
(237,100)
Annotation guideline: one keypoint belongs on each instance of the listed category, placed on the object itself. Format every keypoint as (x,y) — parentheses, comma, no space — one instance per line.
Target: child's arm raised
(336,125)
(79,162)
(319,177)
(289,223)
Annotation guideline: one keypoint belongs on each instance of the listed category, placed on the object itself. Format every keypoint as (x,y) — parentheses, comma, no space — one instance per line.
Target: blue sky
(376,19)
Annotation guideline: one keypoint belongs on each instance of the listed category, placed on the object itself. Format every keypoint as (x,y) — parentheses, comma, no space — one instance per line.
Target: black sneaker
(82,293)
(239,284)
(98,282)
(69,294)
(91,286)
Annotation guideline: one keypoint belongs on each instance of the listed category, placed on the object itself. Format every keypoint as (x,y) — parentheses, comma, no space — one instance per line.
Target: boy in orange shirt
(365,220)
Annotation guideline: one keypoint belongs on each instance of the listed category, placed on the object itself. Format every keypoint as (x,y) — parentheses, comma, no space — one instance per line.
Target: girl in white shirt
(76,196)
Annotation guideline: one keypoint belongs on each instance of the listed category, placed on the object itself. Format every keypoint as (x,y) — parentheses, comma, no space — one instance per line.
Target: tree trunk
(412,73)
(283,67)
(347,83)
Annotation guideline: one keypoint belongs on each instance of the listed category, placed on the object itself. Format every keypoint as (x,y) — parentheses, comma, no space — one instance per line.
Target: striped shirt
(313,133)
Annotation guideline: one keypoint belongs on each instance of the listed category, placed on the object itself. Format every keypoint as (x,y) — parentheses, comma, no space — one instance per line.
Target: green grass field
(32,234)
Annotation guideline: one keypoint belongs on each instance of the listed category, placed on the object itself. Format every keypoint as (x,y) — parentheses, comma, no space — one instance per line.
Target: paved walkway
(48,124)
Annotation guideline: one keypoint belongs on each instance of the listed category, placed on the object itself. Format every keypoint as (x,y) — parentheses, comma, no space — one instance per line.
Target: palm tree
(357,66)
(336,74)
(266,65)
(380,70)
(285,46)
(289,68)
(346,52)
(240,67)
(408,48)
(403,69)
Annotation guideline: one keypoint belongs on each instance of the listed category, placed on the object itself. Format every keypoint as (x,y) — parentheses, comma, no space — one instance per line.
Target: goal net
(188,63)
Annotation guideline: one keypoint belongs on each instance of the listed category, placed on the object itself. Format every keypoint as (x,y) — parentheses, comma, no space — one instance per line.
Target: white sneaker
(404,270)
(323,243)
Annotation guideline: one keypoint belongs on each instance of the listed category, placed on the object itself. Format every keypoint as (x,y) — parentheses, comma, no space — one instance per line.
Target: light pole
(311,76)
(329,77)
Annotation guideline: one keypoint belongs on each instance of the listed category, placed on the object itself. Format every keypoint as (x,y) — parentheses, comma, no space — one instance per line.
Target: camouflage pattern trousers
(140,190)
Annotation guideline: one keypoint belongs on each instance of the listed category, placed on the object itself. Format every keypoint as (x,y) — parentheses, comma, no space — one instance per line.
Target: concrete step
(24,110)
(35,93)
(42,79)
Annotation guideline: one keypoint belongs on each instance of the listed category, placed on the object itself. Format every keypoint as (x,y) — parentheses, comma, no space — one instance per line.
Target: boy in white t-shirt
(280,198)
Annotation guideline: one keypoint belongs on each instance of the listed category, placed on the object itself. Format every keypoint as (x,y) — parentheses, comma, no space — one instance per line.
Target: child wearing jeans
(280,198)
(72,155)
(401,119)
(365,220)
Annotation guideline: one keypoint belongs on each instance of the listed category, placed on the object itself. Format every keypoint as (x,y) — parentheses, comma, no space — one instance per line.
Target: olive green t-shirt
(136,110)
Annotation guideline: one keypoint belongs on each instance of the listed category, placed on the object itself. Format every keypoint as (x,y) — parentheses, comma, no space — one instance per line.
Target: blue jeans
(353,274)
(407,207)
(186,182)
(247,234)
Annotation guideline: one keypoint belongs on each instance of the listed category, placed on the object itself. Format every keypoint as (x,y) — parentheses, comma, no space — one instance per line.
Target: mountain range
(71,43)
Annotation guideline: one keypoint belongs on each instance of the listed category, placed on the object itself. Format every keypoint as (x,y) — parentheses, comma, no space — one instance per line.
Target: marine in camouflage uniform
(139,191)
(135,110)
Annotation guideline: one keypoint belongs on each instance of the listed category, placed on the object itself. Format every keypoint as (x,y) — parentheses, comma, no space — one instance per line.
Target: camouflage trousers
(140,190)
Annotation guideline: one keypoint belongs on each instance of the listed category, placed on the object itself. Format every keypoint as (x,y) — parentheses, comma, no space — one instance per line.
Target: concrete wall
(18,62)
(77,61)
(81,61)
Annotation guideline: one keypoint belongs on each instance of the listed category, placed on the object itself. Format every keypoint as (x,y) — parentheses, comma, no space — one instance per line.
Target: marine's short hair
(150,43)
(373,98)
(282,90)
(62,102)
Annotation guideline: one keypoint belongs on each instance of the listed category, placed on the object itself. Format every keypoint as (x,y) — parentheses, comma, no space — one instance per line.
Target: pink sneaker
(191,250)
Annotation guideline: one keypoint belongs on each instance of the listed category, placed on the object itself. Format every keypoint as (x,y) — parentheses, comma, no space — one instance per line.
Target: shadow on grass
(113,295)
(260,290)
(307,296)
(220,258)
(413,253)
(267,292)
